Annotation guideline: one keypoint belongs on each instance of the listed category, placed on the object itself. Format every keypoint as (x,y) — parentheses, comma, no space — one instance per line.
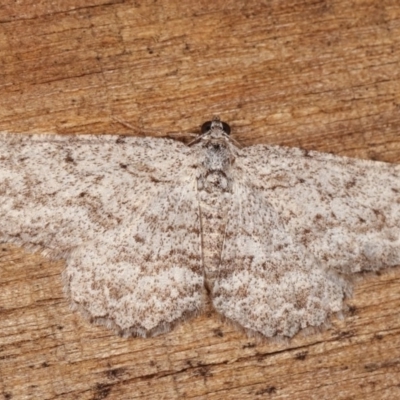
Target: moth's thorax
(216,160)
(217,156)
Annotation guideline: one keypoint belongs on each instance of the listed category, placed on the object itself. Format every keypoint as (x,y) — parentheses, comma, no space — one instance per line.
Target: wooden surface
(322,75)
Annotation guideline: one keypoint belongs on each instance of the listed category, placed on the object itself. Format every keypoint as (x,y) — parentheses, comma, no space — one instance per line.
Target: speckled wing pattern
(300,224)
(148,226)
(129,230)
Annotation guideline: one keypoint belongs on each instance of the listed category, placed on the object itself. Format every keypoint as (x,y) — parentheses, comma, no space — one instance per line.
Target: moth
(150,227)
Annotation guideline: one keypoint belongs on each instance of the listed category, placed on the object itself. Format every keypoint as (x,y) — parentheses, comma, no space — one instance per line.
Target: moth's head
(212,132)
(216,127)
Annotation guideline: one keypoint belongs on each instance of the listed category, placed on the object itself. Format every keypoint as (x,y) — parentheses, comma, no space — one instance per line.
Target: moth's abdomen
(214,203)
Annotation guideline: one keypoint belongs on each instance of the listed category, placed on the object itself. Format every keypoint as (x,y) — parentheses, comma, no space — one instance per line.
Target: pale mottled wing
(299,223)
(346,212)
(112,207)
(146,275)
(268,283)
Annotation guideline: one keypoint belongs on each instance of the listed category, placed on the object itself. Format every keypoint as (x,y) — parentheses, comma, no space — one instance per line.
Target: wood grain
(322,75)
